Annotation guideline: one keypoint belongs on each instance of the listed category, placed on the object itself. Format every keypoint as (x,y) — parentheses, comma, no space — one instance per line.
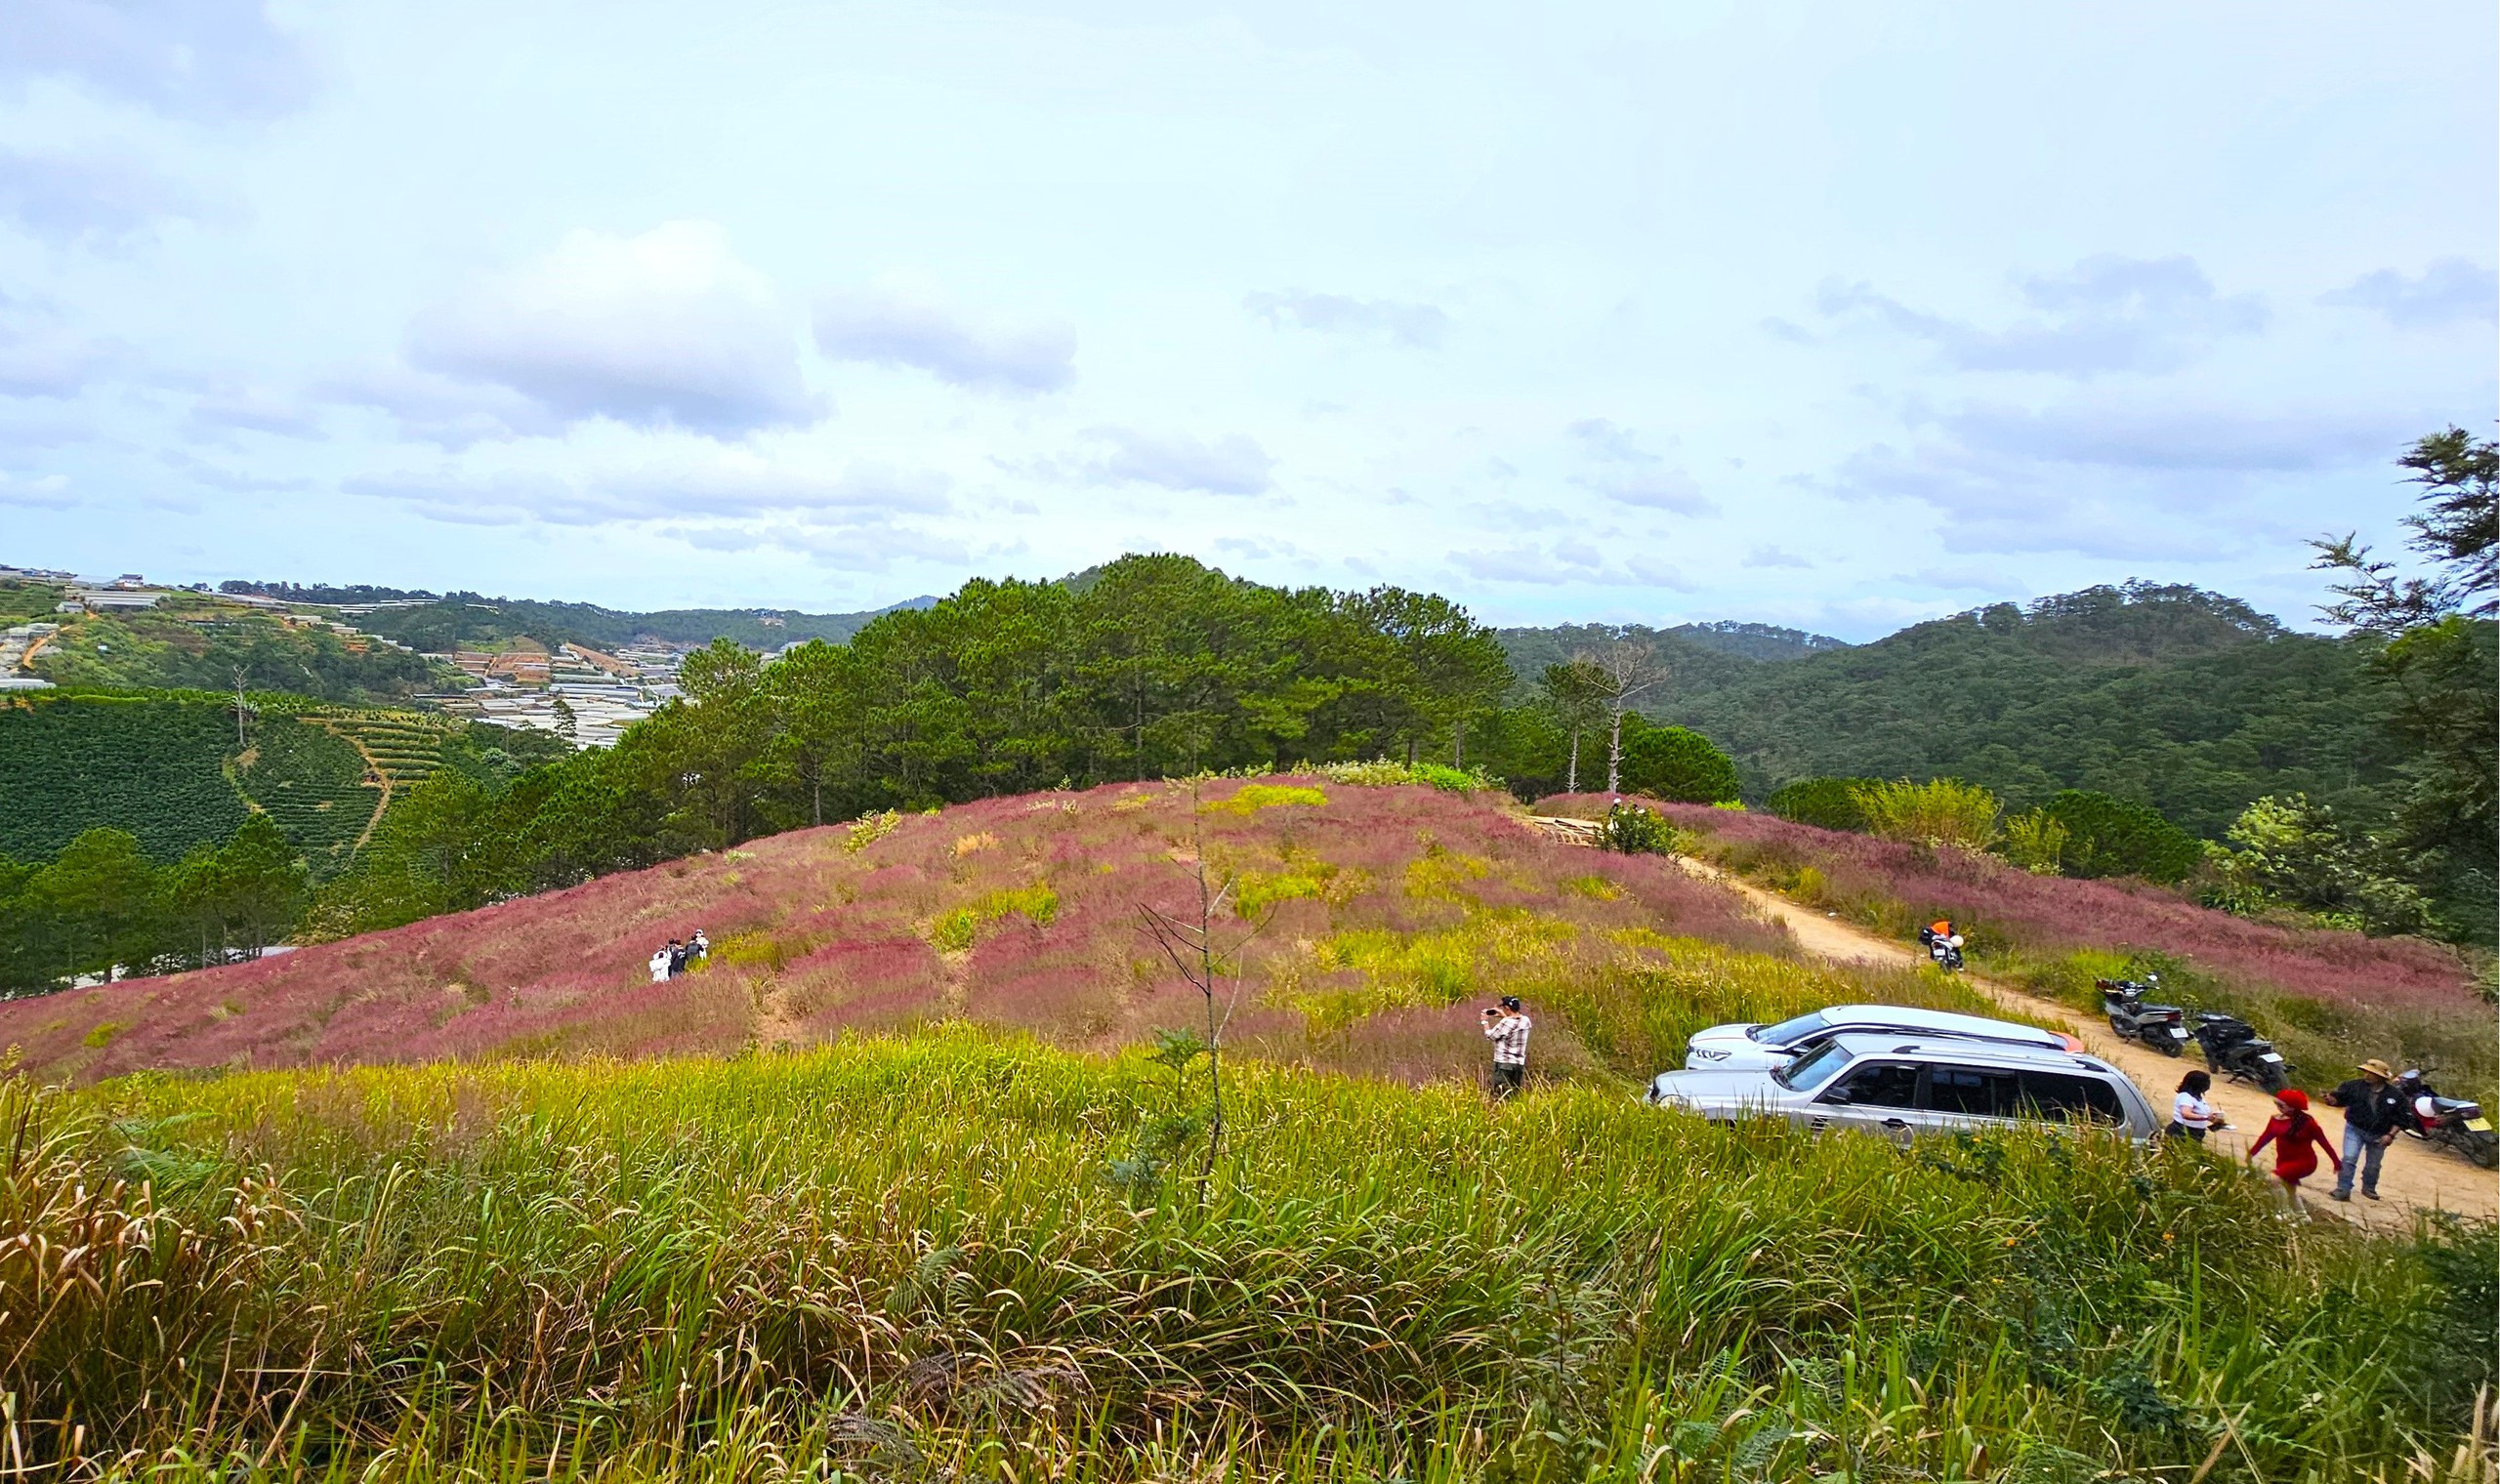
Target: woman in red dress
(2297,1139)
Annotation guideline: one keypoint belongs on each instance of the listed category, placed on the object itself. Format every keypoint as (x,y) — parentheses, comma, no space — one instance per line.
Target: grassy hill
(168,769)
(931,1245)
(1398,911)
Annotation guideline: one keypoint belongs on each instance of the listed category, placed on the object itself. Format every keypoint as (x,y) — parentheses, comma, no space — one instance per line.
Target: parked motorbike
(2163,1027)
(1943,949)
(2451,1123)
(2232,1046)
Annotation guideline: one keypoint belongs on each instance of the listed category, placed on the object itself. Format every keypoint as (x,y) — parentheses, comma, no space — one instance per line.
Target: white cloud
(189,58)
(1774,556)
(681,489)
(1661,490)
(1637,477)
(1232,465)
(893,330)
(62,198)
(41,358)
(2107,314)
(1417,325)
(1567,564)
(2449,291)
(36,491)
(1611,441)
(668,329)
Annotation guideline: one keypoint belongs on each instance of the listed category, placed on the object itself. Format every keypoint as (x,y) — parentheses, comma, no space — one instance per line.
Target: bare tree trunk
(1614,752)
(1571,779)
(1458,743)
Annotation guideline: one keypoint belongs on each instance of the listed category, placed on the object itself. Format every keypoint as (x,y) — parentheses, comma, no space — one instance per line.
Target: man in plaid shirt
(1507,1028)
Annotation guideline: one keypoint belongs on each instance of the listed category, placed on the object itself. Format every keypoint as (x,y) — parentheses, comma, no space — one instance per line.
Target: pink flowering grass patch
(1017,912)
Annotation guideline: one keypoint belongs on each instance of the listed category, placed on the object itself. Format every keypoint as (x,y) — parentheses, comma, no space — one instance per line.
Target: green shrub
(1829,803)
(1676,765)
(2036,841)
(2107,836)
(1634,830)
(1943,811)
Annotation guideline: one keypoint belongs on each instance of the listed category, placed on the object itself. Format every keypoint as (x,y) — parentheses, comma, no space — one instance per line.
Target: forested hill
(460,618)
(1705,653)
(2186,700)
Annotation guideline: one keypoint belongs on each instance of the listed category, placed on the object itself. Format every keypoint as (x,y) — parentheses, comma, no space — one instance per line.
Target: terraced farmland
(402,746)
(315,785)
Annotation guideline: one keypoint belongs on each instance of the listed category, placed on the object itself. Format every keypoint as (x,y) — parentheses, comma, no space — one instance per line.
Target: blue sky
(1839,316)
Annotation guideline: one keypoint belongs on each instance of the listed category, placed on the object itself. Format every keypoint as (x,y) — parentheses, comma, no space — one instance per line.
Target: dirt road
(2414,1177)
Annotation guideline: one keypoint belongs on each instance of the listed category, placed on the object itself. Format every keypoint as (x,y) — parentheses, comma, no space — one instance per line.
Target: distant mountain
(473,618)
(2186,700)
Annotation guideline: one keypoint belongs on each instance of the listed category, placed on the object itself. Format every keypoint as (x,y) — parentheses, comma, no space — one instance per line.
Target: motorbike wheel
(2167,1047)
(2481,1148)
(2119,1031)
(2271,1078)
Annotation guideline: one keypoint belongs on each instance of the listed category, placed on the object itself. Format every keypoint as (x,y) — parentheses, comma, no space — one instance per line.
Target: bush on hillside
(2113,837)
(1829,803)
(1676,765)
(1634,831)
(1943,811)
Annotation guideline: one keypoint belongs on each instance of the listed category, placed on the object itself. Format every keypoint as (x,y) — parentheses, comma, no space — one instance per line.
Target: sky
(1838,316)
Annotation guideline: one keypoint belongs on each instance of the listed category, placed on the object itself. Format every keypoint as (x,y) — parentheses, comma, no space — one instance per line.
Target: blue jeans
(2361,1153)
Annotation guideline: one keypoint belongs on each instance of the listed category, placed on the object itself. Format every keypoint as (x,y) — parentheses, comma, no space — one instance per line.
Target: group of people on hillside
(2374,1113)
(679,955)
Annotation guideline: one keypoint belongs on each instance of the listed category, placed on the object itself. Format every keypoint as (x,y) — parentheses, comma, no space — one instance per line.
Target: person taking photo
(1507,1028)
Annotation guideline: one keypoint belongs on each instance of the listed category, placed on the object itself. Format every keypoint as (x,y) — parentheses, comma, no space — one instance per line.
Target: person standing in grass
(2373,1113)
(1507,1028)
(2190,1115)
(675,958)
(659,965)
(2296,1137)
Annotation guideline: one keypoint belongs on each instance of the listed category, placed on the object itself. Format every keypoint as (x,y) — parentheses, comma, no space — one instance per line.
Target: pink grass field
(2054,915)
(812,940)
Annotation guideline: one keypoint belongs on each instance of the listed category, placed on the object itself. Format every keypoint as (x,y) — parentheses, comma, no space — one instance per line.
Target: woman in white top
(2191,1116)
(659,966)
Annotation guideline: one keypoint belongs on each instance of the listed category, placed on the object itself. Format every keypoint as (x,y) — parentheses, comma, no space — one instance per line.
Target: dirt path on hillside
(2414,1177)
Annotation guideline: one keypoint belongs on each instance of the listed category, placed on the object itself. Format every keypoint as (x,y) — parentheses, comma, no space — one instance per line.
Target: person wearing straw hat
(2374,1113)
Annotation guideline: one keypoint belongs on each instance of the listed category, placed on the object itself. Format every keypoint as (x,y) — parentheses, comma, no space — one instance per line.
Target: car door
(1878,1097)
(1969,1097)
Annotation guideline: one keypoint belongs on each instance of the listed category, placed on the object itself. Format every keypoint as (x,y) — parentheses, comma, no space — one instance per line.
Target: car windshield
(1811,1070)
(1790,1032)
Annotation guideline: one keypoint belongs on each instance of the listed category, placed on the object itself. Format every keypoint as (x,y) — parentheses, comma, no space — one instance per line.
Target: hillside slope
(2184,700)
(1395,910)
(469,618)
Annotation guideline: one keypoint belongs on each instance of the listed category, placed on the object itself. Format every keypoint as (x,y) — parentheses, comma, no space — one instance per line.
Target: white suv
(1755,1048)
(1901,1087)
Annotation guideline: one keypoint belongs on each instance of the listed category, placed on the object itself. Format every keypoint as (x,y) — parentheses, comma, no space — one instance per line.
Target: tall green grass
(903,1260)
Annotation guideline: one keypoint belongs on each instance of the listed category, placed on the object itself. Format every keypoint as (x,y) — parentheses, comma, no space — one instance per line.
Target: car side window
(1884,1084)
(1969,1090)
(2061,1096)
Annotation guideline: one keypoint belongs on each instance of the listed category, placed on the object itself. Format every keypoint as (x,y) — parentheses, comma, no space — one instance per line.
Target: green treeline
(102,906)
(1157,666)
